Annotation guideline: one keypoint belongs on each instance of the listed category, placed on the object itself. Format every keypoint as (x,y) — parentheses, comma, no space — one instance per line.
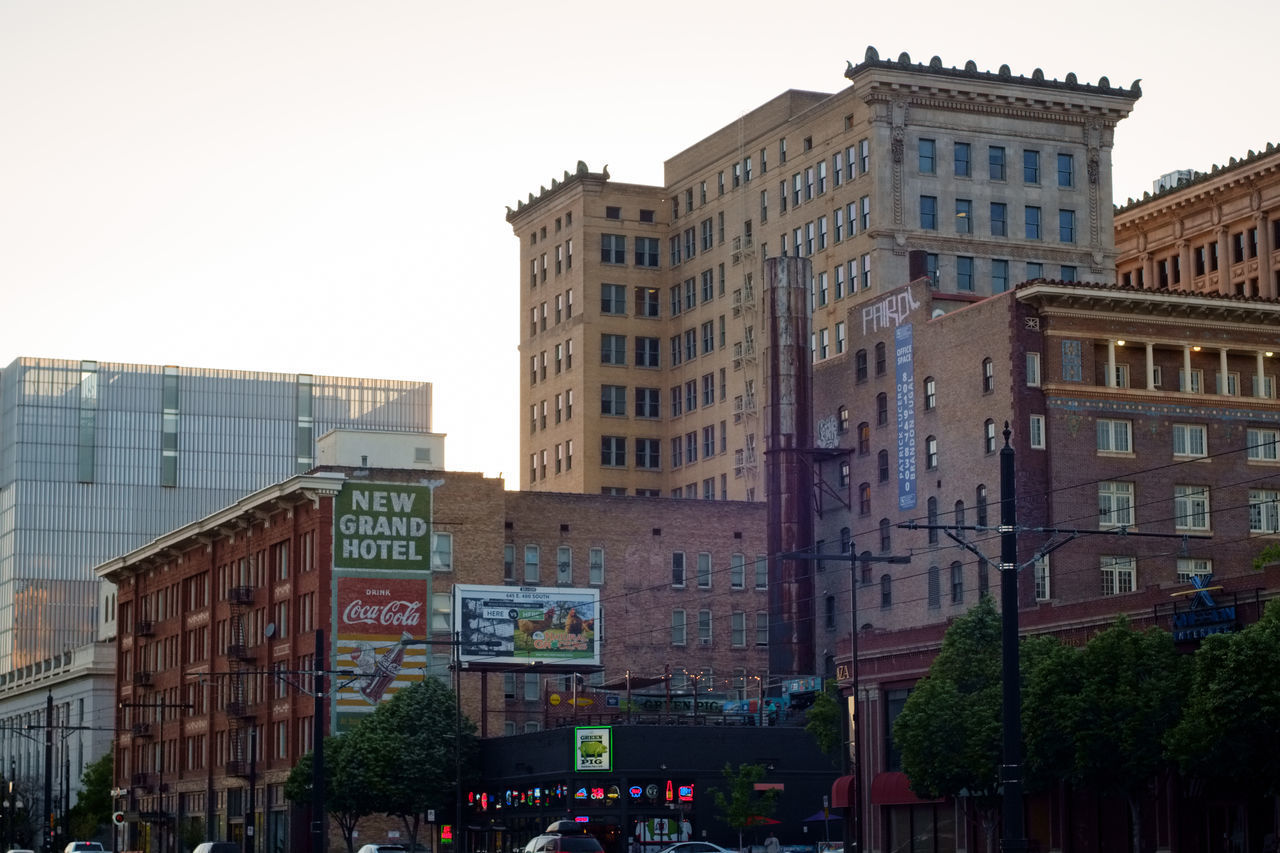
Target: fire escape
(241,663)
(746,362)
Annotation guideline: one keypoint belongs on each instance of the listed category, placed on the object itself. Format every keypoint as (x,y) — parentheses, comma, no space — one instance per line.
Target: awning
(892,788)
(842,792)
(822,816)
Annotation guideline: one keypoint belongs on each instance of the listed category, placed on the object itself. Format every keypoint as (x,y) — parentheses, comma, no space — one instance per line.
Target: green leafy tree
(1051,682)
(93,807)
(740,805)
(412,737)
(949,730)
(825,720)
(1229,734)
(351,777)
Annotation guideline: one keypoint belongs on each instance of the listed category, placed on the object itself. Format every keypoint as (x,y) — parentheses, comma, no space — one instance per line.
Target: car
(555,842)
(19,850)
(696,847)
(83,847)
(217,847)
(383,848)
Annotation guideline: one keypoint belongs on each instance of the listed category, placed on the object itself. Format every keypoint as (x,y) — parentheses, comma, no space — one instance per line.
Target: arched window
(935,587)
(829,606)
(959,516)
(880,359)
(860,366)
(932,520)
(886,592)
(844,473)
(930,393)
(846,541)
(842,418)
(989,436)
(864,499)
(886,539)
(931,452)
(982,505)
(864,438)
(984,577)
(882,465)
(882,409)
(865,559)
(988,376)
(957,583)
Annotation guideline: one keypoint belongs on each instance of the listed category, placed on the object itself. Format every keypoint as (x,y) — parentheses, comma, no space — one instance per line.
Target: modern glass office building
(97,459)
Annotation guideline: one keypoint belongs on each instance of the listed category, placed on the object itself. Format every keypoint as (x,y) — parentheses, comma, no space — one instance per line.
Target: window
(1033,369)
(762,628)
(964,274)
(613,349)
(646,251)
(595,565)
(1067,230)
(1033,223)
(886,592)
(1031,167)
(860,366)
(864,438)
(930,393)
(531,563)
(931,516)
(1066,170)
(647,352)
(646,302)
(882,466)
(935,587)
(1264,511)
(704,570)
(613,399)
(648,453)
(1189,568)
(999,219)
(1115,436)
(928,157)
(931,452)
(613,249)
(1191,508)
(677,569)
(762,572)
(881,359)
(1119,575)
(957,582)
(844,474)
(1035,432)
(647,402)
(613,451)
(929,212)
(989,436)
(995,163)
(1262,444)
(988,376)
(677,627)
(1190,440)
(964,216)
(1197,380)
(864,499)
(840,337)
(882,409)
(1115,504)
(1041,569)
(961,159)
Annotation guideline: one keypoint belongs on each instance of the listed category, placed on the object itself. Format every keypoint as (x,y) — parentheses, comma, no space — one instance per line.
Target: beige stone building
(641,312)
(1211,232)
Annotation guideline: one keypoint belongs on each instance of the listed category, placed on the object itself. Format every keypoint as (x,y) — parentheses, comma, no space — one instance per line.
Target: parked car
(562,843)
(695,847)
(383,848)
(217,847)
(17,850)
(83,847)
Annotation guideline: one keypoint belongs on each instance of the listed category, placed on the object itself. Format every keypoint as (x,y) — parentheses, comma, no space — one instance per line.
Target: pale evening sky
(316,186)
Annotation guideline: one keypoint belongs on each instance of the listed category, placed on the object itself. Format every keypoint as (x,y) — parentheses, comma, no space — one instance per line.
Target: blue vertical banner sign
(904,366)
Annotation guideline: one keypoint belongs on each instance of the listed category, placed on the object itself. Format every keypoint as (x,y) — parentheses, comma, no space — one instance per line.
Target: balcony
(142,730)
(243,710)
(142,678)
(142,780)
(236,767)
(241,652)
(145,628)
(241,594)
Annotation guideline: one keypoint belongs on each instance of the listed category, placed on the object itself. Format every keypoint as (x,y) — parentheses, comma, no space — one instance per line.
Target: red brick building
(1149,411)
(218,621)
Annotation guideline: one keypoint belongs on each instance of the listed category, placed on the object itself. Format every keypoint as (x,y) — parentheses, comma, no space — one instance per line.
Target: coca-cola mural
(373,615)
(508,624)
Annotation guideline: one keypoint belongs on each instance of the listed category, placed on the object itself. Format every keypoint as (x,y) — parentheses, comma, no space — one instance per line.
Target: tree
(740,804)
(825,720)
(93,807)
(949,730)
(351,775)
(1229,734)
(413,736)
(1051,681)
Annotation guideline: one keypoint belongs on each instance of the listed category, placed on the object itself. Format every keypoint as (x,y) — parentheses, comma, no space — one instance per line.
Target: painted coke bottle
(384,672)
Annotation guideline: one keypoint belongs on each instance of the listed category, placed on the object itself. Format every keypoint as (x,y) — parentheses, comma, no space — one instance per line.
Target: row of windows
(1204,259)
(846,164)
(737,628)
(562,411)
(613,250)
(1230,387)
(1115,436)
(1032,220)
(532,572)
(816,236)
(647,452)
(563,460)
(927,163)
(1191,513)
(689,491)
(538,266)
(968,270)
(541,233)
(541,316)
(561,358)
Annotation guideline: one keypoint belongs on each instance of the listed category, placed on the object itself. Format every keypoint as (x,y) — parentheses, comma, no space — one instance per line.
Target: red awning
(842,792)
(892,788)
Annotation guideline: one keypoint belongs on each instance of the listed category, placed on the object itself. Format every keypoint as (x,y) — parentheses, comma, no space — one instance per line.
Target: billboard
(371,617)
(382,526)
(524,624)
(592,748)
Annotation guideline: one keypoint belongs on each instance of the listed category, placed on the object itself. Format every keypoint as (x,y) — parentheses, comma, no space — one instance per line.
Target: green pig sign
(592,748)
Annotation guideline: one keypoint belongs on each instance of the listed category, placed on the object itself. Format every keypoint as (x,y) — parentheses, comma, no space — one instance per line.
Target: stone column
(1111,364)
(1185,273)
(1261,379)
(1224,261)
(1185,384)
(1223,388)
(1266,274)
(1148,271)
(1151,367)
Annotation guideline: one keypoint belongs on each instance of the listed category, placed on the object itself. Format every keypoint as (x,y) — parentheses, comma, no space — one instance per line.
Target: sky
(310,186)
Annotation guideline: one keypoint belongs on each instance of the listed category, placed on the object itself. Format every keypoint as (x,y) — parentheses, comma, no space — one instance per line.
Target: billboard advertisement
(382,526)
(372,615)
(524,624)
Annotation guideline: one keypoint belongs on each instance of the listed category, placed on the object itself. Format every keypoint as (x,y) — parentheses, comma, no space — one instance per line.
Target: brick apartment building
(217,623)
(1150,411)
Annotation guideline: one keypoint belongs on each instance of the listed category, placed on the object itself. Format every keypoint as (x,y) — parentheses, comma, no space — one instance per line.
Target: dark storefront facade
(657,791)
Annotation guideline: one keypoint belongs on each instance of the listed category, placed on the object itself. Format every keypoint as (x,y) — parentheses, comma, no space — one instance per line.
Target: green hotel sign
(382,526)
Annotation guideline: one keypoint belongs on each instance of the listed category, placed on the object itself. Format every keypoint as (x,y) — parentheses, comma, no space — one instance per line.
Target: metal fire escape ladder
(746,362)
(241,663)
